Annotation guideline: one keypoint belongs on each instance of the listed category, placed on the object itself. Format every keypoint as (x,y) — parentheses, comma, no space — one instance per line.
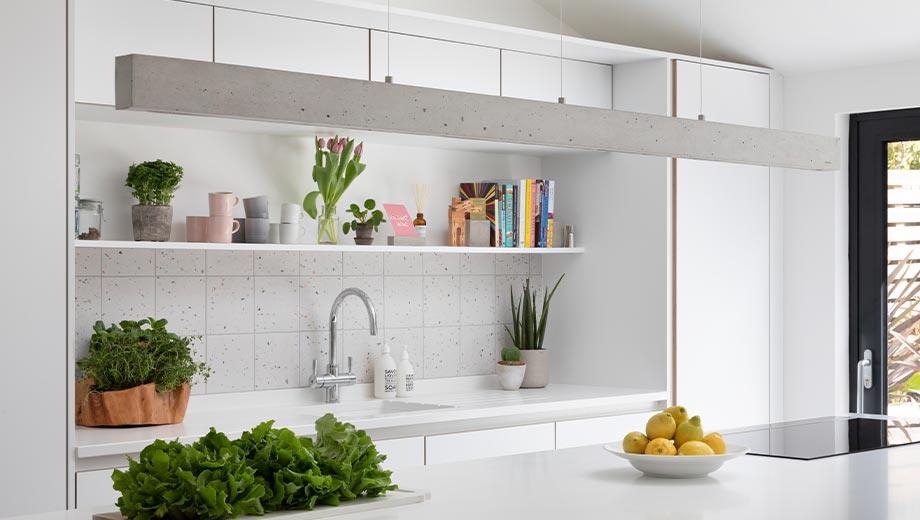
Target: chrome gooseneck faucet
(332,379)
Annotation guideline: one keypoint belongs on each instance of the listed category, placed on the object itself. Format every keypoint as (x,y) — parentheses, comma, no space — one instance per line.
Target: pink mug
(221,229)
(221,203)
(196,229)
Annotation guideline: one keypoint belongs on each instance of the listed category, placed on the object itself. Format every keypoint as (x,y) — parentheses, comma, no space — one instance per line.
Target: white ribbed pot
(537,375)
(510,376)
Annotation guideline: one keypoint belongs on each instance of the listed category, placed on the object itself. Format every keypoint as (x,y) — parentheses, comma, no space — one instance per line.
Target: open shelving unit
(126,244)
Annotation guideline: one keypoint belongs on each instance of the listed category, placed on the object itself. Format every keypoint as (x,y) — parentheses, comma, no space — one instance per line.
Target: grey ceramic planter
(151,223)
(537,374)
(510,376)
(364,234)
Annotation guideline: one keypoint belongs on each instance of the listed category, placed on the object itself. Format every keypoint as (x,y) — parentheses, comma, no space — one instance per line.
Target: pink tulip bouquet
(338,164)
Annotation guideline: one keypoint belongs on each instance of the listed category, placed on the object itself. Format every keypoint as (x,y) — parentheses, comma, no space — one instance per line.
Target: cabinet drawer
(489,443)
(94,489)
(105,29)
(402,453)
(275,42)
(598,430)
(424,62)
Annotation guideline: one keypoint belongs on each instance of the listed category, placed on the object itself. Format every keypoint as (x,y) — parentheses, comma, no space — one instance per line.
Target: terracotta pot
(138,406)
(364,234)
(537,375)
(151,223)
(510,376)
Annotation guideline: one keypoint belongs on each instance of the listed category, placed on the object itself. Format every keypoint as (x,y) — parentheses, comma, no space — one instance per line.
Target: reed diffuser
(421,199)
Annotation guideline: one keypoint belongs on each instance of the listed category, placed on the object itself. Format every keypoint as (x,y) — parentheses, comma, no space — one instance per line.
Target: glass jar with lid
(89,219)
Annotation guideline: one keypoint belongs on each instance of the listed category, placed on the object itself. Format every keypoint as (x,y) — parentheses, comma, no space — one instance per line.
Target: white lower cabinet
(402,453)
(598,430)
(482,444)
(94,488)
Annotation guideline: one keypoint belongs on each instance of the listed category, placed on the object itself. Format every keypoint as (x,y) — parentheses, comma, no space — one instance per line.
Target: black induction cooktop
(827,437)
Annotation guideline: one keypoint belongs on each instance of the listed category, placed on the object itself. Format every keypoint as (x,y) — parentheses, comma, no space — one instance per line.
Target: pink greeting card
(399,218)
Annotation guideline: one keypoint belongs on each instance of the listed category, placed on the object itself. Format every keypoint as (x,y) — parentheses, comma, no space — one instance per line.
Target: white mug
(291,213)
(291,233)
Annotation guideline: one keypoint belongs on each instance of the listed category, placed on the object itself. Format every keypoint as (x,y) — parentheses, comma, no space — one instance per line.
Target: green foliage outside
(904,155)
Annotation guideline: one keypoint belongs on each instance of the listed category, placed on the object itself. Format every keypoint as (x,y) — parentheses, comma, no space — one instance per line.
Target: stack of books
(519,211)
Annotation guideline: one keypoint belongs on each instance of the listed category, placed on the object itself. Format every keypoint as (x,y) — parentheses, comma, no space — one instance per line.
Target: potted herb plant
(337,163)
(365,223)
(527,332)
(153,184)
(136,373)
(510,370)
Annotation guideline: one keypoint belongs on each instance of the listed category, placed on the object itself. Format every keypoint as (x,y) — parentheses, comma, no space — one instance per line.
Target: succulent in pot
(528,330)
(153,184)
(365,223)
(510,370)
(337,163)
(136,373)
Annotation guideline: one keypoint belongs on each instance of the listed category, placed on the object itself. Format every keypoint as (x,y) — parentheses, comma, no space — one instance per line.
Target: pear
(679,413)
(690,430)
(661,426)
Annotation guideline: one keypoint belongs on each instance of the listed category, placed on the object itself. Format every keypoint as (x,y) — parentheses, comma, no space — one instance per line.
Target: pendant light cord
(700,116)
(561,67)
(388,78)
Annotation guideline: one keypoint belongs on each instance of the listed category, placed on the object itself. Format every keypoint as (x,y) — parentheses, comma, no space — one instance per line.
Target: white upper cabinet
(276,42)
(431,63)
(532,76)
(105,29)
(723,258)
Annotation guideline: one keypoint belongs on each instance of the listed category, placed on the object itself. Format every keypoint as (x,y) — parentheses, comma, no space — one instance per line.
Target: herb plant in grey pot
(153,184)
(527,332)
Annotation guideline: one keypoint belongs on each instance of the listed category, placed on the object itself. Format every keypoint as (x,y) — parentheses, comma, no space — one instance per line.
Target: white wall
(815,231)
(252,164)
(34,313)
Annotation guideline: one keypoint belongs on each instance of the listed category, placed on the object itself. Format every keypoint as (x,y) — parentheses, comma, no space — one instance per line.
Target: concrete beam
(178,86)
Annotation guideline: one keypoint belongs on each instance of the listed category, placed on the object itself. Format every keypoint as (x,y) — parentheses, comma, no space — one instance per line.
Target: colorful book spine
(508,199)
(551,203)
(522,212)
(544,221)
(517,216)
(534,211)
(538,213)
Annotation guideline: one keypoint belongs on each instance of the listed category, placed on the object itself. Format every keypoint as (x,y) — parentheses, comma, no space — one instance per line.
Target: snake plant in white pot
(528,330)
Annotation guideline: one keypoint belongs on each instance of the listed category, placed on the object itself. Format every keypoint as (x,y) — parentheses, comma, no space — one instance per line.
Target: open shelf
(125,244)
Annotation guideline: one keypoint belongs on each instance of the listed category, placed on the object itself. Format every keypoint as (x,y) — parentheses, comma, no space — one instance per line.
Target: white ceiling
(791,36)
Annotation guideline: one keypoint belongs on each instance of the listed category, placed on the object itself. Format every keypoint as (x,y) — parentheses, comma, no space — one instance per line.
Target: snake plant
(528,328)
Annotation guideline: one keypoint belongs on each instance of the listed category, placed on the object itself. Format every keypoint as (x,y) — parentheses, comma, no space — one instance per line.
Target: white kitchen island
(587,482)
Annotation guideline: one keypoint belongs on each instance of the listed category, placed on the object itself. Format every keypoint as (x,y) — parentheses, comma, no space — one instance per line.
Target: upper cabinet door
(109,28)
(275,42)
(431,63)
(735,96)
(532,76)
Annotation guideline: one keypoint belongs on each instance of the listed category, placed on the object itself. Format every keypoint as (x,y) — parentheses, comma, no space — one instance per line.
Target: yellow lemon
(679,413)
(635,442)
(695,448)
(660,426)
(690,430)
(660,447)
(716,442)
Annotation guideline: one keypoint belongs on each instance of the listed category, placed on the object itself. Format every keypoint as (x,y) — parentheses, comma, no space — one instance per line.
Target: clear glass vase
(327,226)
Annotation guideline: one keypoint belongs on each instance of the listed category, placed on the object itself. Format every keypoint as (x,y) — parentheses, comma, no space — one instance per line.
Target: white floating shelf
(126,244)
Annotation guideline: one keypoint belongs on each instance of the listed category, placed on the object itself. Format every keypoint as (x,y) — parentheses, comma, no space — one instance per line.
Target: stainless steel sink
(372,409)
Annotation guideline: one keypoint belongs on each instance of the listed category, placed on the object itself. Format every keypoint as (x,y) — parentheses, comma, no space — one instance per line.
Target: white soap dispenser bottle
(405,375)
(385,374)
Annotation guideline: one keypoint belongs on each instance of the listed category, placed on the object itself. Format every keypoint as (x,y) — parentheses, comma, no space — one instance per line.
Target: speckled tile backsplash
(263,316)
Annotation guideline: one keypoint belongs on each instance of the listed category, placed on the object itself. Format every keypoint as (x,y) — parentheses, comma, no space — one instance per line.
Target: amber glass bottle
(421,226)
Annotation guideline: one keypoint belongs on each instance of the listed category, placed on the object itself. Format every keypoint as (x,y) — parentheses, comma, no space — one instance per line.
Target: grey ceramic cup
(256,207)
(240,236)
(274,233)
(256,230)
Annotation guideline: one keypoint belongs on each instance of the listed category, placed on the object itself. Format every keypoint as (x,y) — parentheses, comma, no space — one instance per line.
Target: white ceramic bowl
(677,466)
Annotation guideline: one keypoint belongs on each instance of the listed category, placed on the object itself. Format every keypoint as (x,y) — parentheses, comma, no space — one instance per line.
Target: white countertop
(461,409)
(586,483)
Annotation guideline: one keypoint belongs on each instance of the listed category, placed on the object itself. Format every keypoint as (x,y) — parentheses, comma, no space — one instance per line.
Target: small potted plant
(153,184)
(136,373)
(337,163)
(510,370)
(527,332)
(365,223)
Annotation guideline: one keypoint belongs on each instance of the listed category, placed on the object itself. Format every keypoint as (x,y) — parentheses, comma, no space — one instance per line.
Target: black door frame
(868,242)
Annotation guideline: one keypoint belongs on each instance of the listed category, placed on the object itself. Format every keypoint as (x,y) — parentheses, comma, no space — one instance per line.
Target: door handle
(863,380)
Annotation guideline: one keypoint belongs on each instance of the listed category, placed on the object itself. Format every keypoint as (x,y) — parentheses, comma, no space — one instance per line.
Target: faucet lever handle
(349,364)
(314,368)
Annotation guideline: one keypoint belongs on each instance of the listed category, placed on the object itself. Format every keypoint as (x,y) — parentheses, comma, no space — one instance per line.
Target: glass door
(885,262)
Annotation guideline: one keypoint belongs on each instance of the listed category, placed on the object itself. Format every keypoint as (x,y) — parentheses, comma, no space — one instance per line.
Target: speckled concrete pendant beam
(177,86)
